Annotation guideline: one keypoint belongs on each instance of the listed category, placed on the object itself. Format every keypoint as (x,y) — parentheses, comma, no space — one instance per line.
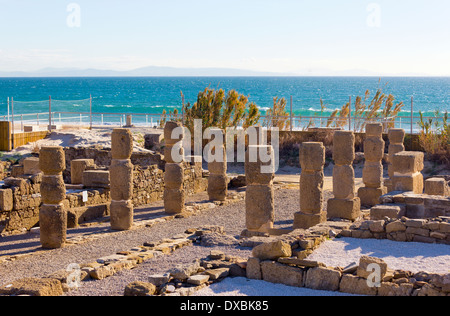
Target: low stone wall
(20,199)
(354,279)
(410,230)
(418,205)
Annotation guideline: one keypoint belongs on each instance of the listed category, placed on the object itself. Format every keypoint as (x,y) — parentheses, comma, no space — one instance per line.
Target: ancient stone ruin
(218,180)
(312,160)
(407,167)
(396,139)
(121,177)
(259,198)
(174,194)
(52,213)
(345,203)
(373,166)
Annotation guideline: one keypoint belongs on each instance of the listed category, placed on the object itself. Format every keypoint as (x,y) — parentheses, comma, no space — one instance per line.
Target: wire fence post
(8,108)
(292,119)
(50,114)
(12,110)
(90,111)
(350,114)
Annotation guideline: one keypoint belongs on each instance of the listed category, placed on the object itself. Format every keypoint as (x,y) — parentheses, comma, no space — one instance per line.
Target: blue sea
(154,94)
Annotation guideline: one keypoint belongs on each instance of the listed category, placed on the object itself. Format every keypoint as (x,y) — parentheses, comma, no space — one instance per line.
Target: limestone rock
(140,289)
(321,278)
(275,272)
(272,250)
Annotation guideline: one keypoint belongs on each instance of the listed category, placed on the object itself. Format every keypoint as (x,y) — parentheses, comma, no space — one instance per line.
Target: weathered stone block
(53,226)
(371,196)
(408,162)
(275,272)
(373,174)
(174,176)
(174,153)
(363,270)
(217,187)
(257,169)
(412,183)
(174,201)
(53,189)
(33,287)
(396,135)
(121,143)
(305,221)
(393,289)
(272,250)
(31,165)
(346,209)
(168,130)
(253,269)
(396,226)
(374,149)
(311,192)
(436,186)
(374,129)
(324,279)
(343,147)
(356,285)
(52,160)
(259,205)
(77,167)
(96,179)
(121,215)
(312,156)
(121,177)
(343,182)
(6,200)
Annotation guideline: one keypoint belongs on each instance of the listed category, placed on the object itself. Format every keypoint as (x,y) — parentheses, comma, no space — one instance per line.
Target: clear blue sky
(295,36)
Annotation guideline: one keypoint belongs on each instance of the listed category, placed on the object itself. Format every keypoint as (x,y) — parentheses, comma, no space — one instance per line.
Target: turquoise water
(153,95)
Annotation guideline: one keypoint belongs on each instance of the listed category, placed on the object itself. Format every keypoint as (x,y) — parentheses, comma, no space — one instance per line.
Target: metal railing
(40,121)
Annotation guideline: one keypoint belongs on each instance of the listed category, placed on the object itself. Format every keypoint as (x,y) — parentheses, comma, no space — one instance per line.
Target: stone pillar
(218,180)
(52,213)
(174,193)
(121,178)
(312,161)
(345,204)
(396,139)
(259,198)
(373,166)
(407,171)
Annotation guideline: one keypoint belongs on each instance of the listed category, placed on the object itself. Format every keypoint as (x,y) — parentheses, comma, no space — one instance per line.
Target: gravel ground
(232,217)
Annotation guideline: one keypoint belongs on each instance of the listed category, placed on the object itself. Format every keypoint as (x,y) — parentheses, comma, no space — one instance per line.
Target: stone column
(345,203)
(396,139)
(218,179)
(407,171)
(52,213)
(373,166)
(174,193)
(121,177)
(312,161)
(259,198)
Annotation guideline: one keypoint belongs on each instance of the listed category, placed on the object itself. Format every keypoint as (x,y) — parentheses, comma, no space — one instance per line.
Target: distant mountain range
(151,71)
(154,71)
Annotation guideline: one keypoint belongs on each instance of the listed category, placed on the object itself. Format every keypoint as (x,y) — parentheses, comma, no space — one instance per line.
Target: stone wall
(354,279)
(406,230)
